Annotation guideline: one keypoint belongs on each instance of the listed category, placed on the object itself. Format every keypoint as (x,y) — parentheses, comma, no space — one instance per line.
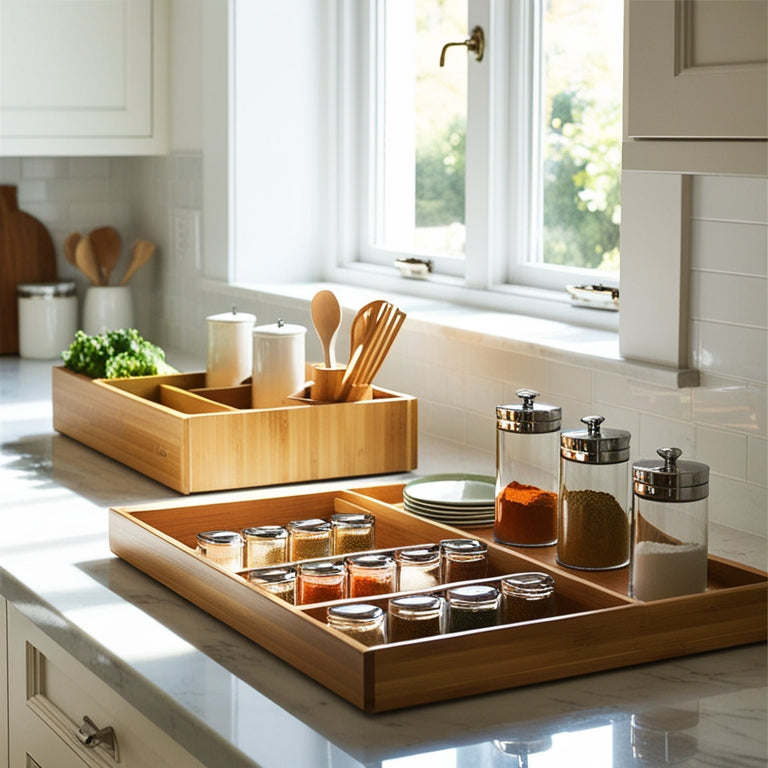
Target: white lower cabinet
(61,715)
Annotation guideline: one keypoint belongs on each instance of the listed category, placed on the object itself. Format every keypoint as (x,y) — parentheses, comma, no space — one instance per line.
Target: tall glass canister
(527,436)
(669,527)
(593,503)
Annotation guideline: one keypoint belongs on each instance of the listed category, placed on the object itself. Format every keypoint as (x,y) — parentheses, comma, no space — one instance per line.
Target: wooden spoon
(70,245)
(362,324)
(142,251)
(326,317)
(107,246)
(86,260)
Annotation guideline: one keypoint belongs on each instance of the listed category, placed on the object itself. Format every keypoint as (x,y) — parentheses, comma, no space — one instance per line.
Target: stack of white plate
(460,500)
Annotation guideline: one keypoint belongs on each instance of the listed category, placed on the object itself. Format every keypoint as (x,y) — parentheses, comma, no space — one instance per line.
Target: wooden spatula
(107,247)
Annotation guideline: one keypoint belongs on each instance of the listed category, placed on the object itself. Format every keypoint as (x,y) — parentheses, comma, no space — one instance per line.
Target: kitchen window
(502,172)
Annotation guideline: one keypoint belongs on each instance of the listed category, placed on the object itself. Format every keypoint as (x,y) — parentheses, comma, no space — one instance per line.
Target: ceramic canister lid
(45,290)
(528,417)
(670,479)
(595,445)
(279,329)
(232,317)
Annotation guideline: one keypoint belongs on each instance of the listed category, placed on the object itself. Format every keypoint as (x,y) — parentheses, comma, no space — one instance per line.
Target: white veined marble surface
(231,703)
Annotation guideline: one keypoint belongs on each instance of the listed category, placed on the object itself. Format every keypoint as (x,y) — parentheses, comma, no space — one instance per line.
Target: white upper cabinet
(697,69)
(83,77)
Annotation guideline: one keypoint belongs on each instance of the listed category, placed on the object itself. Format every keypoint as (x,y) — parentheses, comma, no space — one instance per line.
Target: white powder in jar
(662,570)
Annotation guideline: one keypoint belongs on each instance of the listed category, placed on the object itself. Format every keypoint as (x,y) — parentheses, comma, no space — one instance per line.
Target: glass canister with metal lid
(593,514)
(669,527)
(526,472)
(225,548)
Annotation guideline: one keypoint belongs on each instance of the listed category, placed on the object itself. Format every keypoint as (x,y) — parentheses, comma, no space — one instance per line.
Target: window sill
(523,334)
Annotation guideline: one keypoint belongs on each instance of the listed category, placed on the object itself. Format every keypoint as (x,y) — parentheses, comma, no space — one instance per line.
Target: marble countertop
(231,703)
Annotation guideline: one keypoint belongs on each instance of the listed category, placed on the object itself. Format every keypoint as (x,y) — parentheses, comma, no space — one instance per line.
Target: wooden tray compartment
(596,628)
(192,439)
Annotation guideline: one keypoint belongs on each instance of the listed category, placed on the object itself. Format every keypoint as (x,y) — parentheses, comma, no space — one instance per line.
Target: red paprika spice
(526,516)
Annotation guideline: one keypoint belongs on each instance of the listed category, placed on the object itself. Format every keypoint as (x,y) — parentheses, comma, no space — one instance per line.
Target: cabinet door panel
(697,69)
(76,68)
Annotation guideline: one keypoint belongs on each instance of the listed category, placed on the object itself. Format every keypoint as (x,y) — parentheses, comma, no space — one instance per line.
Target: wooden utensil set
(372,333)
(96,254)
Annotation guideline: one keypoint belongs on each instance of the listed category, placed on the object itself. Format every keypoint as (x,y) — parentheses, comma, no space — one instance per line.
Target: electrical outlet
(185,236)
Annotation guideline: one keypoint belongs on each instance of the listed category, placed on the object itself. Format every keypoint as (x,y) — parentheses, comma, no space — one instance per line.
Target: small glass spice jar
(352,532)
(360,621)
(669,527)
(308,539)
(418,567)
(527,437)
(414,616)
(319,582)
(463,559)
(280,582)
(593,514)
(527,596)
(265,545)
(370,575)
(473,606)
(225,548)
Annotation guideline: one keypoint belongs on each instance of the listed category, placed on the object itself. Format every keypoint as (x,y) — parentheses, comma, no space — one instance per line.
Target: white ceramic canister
(279,361)
(229,348)
(107,308)
(47,319)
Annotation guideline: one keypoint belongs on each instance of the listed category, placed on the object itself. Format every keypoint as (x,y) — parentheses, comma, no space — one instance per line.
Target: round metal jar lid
(356,612)
(528,417)
(272,575)
(473,594)
(463,547)
(45,290)
(670,479)
(371,561)
(594,445)
(352,520)
(221,538)
(265,532)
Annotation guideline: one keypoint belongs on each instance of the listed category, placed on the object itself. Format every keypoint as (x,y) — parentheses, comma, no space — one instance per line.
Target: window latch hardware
(475,42)
(413,267)
(91,736)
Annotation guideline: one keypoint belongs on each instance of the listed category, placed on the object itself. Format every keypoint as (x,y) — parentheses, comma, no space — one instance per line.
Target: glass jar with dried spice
(526,472)
(225,548)
(474,606)
(280,582)
(527,596)
(372,574)
(418,567)
(463,560)
(413,616)
(319,582)
(360,621)
(352,532)
(593,514)
(265,545)
(308,539)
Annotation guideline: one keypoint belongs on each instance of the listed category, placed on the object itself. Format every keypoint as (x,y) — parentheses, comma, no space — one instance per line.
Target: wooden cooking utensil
(70,245)
(107,247)
(361,324)
(142,252)
(326,317)
(86,260)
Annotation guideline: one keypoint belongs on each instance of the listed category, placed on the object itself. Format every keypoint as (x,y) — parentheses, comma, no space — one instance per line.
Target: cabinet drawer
(50,695)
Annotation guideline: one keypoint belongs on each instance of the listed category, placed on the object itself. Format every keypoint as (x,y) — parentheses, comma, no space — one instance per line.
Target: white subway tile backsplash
(724,452)
(626,393)
(621,418)
(757,461)
(731,350)
(94,167)
(574,381)
(44,167)
(481,436)
(480,395)
(732,299)
(657,432)
(737,504)
(726,403)
(730,247)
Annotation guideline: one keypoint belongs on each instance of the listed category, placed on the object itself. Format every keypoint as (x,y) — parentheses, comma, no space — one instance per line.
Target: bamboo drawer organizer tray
(174,430)
(595,627)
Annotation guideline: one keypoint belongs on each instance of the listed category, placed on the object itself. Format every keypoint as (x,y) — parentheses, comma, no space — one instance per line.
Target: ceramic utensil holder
(107,308)
(230,348)
(279,363)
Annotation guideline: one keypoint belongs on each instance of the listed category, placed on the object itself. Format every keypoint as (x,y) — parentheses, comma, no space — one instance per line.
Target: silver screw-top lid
(220,538)
(362,612)
(595,445)
(670,479)
(528,417)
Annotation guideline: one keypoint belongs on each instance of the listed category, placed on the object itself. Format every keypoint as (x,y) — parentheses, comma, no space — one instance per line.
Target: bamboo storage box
(596,628)
(192,439)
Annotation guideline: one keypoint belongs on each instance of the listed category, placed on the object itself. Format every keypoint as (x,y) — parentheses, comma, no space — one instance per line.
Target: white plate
(452,490)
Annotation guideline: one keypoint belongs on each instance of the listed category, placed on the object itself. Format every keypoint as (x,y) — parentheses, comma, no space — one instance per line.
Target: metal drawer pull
(91,736)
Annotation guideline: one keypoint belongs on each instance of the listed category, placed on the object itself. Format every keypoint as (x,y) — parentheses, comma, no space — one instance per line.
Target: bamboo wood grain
(188,402)
(600,630)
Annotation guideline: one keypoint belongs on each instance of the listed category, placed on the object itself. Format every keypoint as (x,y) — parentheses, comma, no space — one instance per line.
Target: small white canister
(229,348)
(47,318)
(279,360)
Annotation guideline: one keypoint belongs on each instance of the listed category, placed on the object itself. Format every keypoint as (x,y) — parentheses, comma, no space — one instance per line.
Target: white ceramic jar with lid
(47,318)
(669,527)
(279,363)
(229,348)
(593,508)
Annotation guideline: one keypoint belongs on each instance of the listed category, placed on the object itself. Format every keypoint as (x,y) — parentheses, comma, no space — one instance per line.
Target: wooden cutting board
(27,255)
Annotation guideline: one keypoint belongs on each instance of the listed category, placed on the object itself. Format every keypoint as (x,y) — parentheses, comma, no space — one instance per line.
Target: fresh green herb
(115,354)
